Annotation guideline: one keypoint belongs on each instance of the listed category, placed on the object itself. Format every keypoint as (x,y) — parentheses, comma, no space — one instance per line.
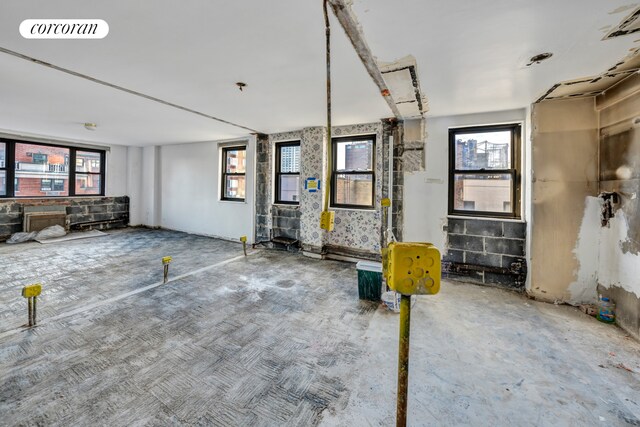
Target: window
(3,169)
(39,158)
(484,171)
(234,163)
(88,178)
(353,177)
(47,184)
(288,173)
(29,169)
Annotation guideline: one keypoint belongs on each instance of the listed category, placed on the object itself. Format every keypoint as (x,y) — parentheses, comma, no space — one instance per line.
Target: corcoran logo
(64,29)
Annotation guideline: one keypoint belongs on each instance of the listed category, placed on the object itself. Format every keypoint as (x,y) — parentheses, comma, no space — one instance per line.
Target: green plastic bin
(369,280)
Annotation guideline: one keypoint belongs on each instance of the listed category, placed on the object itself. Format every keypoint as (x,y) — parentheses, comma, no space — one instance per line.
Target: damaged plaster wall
(619,255)
(565,172)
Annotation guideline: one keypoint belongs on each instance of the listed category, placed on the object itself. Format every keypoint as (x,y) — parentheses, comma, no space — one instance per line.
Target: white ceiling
(472,55)
(470,58)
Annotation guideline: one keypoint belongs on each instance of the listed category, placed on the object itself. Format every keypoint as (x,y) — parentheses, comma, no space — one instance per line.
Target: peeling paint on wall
(617,267)
(583,289)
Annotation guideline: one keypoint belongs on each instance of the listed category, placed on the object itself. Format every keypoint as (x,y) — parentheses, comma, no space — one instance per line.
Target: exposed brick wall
(81,212)
(486,251)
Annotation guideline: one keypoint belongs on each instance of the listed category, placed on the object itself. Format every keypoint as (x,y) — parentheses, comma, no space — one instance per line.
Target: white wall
(116,173)
(426,193)
(190,187)
(134,184)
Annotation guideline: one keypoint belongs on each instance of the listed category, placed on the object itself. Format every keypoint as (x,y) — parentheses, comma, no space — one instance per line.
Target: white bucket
(392,300)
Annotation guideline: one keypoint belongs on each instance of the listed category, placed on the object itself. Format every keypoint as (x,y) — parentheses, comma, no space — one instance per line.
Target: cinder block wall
(286,221)
(94,212)
(486,252)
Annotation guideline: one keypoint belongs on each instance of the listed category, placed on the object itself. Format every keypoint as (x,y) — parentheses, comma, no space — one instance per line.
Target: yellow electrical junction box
(386,202)
(243,238)
(327,219)
(166,260)
(30,291)
(412,268)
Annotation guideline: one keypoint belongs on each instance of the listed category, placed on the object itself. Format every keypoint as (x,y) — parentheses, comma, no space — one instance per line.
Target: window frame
(514,171)
(224,173)
(278,172)
(334,173)
(10,165)
(5,168)
(73,161)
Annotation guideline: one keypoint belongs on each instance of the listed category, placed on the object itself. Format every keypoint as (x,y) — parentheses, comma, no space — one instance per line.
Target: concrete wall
(425,206)
(486,252)
(565,173)
(82,212)
(186,194)
(619,240)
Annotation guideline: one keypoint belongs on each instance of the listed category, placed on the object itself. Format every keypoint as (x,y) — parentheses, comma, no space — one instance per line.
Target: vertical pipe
(389,224)
(166,272)
(34,310)
(30,311)
(327,31)
(403,360)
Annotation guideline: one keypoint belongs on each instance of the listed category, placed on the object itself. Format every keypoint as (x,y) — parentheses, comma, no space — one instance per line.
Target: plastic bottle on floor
(606,310)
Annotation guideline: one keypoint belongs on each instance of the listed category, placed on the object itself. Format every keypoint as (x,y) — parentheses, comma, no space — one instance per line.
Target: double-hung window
(484,171)
(234,164)
(353,172)
(88,172)
(288,173)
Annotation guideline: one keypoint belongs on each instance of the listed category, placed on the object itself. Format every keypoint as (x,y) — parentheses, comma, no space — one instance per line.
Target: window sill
(287,205)
(234,202)
(487,218)
(353,209)
(23,198)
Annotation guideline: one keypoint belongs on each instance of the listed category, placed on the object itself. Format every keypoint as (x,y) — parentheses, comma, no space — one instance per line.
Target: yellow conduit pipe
(327,217)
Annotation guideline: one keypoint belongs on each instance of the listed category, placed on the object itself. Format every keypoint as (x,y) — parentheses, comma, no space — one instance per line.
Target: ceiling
(471,57)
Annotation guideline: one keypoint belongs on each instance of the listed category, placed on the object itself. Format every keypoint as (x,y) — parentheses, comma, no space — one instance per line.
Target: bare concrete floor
(279,339)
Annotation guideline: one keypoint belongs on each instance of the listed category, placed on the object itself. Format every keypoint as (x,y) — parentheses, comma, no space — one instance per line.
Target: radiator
(37,218)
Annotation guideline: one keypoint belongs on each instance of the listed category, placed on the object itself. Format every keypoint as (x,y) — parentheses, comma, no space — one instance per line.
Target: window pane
(3,155)
(3,183)
(486,193)
(235,161)
(488,150)
(87,161)
(354,189)
(289,186)
(41,170)
(234,187)
(87,184)
(354,155)
(290,158)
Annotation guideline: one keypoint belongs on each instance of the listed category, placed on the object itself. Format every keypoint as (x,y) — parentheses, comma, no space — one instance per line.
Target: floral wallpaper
(358,229)
(312,158)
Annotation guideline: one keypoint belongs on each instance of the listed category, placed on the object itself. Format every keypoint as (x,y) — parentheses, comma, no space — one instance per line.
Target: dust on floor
(279,339)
